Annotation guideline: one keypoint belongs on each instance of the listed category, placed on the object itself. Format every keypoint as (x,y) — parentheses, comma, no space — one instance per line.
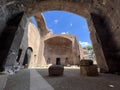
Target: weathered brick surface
(62,46)
(31,39)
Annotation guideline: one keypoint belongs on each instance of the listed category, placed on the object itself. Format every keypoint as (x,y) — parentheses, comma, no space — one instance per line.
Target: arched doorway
(19,55)
(27,57)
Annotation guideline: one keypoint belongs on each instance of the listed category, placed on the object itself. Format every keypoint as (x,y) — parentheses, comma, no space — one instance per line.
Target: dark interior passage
(58,61)
(27,57)
(19,55)
(6,38)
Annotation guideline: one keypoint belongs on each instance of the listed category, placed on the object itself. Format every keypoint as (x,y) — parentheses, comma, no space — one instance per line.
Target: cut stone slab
(56,70)
(37,82)
(85,62)
(89,70)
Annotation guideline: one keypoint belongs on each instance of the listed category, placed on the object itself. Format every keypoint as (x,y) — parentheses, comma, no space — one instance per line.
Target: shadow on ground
(72,80)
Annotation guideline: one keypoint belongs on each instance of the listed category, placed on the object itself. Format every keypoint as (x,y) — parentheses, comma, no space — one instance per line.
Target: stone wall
(63,46)
(17,38)
(106,21)
(11,38)
(31,39)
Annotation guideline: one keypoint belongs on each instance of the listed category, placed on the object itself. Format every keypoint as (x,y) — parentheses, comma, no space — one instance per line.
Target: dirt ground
(72,80)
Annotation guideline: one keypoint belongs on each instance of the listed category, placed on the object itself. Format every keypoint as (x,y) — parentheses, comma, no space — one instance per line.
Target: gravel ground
(72,80)
(19,81)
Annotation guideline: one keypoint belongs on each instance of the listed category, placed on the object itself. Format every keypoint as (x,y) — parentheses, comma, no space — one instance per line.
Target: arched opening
(27,57)
(101,61)
(67,23)
(83,11)
(44,31)
(56,49)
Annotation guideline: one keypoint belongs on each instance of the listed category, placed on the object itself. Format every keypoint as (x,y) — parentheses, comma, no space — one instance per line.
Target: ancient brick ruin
(103,20)
(63,48)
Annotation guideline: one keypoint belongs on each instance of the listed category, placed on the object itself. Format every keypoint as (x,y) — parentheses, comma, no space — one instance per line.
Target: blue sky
(61,22)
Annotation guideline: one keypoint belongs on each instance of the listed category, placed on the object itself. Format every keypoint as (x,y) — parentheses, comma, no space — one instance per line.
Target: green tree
(89,47)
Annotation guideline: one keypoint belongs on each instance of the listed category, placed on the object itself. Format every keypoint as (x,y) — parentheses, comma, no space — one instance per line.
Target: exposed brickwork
(31,39)
(63,46)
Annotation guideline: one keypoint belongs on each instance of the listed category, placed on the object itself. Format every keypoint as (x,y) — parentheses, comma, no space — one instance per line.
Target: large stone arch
(84,11)
(97,18)
(78,7)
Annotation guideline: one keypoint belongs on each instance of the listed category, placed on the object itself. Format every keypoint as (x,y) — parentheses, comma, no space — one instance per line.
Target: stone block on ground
(86,62)
(56,70)
(89,70)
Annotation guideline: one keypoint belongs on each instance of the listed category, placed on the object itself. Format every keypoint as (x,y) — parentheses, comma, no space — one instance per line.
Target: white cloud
(65,33)
(55,21)
(71,24)
(51,30)
(84,44)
